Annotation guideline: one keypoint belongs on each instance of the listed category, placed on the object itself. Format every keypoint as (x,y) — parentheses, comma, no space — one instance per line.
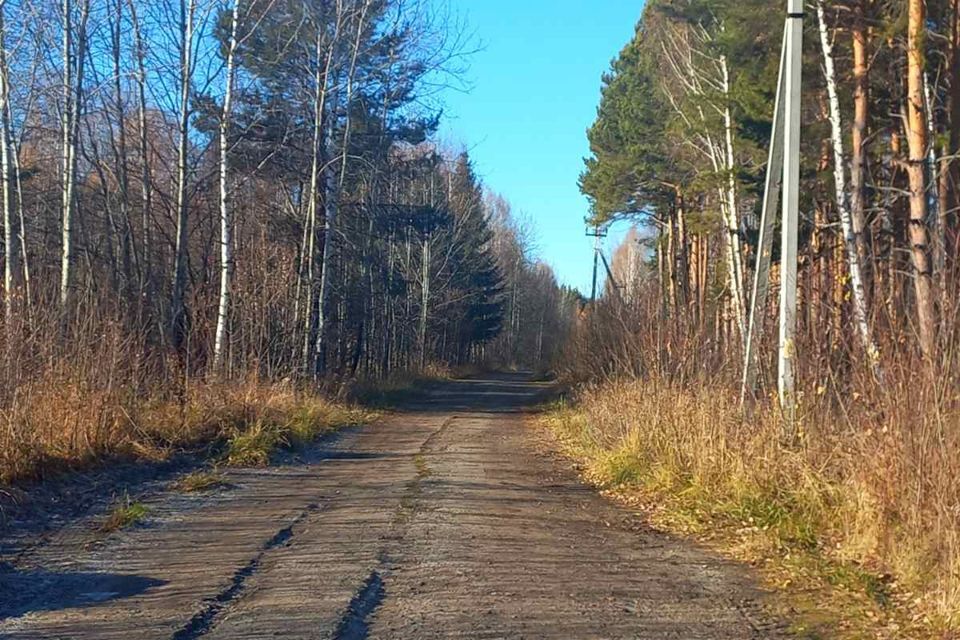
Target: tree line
(680,142)
(236,187)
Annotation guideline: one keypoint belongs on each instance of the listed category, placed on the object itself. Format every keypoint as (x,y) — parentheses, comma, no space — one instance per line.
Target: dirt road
(448,520)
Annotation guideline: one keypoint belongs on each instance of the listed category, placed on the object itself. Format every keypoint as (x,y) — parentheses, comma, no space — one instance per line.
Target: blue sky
(534,90)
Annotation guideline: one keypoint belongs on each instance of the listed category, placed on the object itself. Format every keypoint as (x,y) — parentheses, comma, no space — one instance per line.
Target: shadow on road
(508,392)
(35,590)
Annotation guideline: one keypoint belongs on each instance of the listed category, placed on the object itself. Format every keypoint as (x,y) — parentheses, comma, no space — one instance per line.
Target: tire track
(206,619)
(355,622)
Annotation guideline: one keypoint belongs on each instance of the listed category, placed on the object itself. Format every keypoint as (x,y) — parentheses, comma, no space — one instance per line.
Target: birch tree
(74,56)
(10,233)
(179,284)
(840,185)
(703,77)
(226,224)
(323,64)
(146,188)
(858,135)
(334,187)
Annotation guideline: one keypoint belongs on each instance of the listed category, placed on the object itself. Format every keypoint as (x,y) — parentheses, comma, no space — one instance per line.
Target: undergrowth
(68,424)
(865,526)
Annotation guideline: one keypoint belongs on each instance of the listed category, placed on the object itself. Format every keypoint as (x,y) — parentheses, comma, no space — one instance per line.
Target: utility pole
(784,156)
(793,43)
(761,274)
(597,233)
(614,286)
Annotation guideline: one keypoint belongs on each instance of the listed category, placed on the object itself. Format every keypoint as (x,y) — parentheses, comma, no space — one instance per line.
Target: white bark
(699,76)
(146,191)
(843,207)
(226,223)
(733,211)
(321,80)
(119,146)
(424,299)
(24,259)
(10,236)
(73,62)
(333,187)
(939,218)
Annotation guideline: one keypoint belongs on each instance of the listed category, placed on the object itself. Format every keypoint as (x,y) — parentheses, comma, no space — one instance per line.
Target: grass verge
(237,423)
(831,525)
(125,513)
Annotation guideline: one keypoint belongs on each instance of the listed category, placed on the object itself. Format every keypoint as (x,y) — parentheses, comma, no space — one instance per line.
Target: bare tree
(74,55)
(179,284)
(10,235)
(840,185)
(226,225)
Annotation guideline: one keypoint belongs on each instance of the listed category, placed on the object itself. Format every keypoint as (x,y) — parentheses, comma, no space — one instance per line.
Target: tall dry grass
(883,499)
(97,391)
(873,483)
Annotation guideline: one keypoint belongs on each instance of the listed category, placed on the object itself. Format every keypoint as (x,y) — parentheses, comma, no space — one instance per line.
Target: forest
(208,201)
(226,220)
(869,480)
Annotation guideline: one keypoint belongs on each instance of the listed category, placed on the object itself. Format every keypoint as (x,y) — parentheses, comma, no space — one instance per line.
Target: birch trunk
(146,189)
(939,244)
(119,146)
(917,143)
(424,299)
(321,79)
(24,257)
(179,284)
(10,235)
(733,227)
(73,61)
(846,219)
(226,223)
(332,194)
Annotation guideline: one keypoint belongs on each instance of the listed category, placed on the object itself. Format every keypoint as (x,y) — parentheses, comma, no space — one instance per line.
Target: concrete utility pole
(784,156)
(791,216)
(761,275)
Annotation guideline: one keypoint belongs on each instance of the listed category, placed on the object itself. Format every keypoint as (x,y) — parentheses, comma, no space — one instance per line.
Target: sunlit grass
(125,513)
(836,511)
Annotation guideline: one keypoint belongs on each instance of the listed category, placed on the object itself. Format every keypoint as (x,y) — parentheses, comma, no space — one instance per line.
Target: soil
(450,518)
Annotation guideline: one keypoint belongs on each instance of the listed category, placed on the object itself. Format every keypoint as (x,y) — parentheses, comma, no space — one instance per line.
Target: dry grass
(59,424)
(288,425)
(125,513)
(873,510)
(197,481)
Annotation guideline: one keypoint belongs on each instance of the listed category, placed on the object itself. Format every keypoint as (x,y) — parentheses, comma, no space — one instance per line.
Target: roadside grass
(198,481)
(65,426)
(301,424)
(125,513)
(828,524)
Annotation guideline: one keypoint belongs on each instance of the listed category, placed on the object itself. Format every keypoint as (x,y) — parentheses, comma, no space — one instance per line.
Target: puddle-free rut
(205,620)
